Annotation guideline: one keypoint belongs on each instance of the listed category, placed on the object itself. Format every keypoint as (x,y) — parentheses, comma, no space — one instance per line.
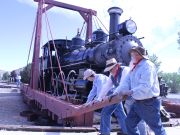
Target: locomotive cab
(61,45)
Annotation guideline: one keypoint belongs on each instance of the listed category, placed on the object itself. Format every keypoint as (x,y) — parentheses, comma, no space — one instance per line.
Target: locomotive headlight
(131,26)
(127,27)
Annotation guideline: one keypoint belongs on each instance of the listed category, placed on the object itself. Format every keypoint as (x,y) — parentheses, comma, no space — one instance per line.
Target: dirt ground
(11,105)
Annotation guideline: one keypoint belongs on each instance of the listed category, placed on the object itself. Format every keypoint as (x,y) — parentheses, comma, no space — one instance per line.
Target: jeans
(106,113)
(141,125)
(18,82)
(147,110)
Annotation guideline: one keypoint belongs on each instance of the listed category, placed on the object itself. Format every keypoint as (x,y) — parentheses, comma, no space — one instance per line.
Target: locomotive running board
(62,108)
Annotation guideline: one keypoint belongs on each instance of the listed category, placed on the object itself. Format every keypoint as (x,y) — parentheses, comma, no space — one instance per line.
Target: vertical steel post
(89,27)
(35,61)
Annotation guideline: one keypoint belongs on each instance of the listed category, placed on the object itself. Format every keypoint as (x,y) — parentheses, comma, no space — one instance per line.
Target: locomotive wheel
(60,84)
(54,85)
(71,78)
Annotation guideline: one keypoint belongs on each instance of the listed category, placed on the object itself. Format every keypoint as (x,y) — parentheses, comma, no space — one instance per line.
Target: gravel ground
(11,105)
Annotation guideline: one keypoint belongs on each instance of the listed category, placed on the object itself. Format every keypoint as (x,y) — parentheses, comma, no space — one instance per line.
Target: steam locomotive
(64,61)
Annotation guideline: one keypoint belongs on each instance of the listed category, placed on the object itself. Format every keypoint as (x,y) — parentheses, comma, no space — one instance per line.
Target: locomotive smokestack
(114,13)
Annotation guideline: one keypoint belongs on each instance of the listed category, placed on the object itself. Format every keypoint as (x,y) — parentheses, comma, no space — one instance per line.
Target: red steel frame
(85,13)
(81,115)
(63,109)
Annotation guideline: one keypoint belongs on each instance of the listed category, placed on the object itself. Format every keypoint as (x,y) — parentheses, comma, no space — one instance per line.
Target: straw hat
(88,73)
(110,64)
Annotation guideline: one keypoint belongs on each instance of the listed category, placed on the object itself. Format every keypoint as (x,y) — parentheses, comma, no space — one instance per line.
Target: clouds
(28,2)
(157,20)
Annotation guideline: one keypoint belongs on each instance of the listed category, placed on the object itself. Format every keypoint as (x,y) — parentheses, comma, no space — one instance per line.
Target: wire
(82,27)
(59,66)
(102,24)
(84,31)
(33,33)
(95,23)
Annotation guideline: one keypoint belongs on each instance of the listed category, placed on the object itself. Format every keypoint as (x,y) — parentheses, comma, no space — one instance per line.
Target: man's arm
(125,72)
(92,93)
(124,83)
(105,89)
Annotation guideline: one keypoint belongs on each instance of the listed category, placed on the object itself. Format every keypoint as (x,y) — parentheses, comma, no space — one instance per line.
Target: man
(142,127)
(142,83)
(117,74)
(98,81)
(18,80)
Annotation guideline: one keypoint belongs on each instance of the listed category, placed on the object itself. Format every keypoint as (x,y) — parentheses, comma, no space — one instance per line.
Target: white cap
(88,73)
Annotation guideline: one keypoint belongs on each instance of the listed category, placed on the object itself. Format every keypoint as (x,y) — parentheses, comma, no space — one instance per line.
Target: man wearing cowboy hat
(142,83)
(98,81)
(117,74)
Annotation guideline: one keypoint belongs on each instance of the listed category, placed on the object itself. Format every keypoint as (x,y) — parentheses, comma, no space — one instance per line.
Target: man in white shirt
(142,83)
(117,74)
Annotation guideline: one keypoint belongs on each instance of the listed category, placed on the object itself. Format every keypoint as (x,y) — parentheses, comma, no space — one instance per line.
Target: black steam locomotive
(64,61)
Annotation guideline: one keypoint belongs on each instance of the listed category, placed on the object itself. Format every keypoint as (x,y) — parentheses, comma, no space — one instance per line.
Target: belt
(146,100)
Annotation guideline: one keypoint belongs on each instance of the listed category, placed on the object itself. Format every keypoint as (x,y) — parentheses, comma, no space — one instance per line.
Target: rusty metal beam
(35,61)
(84,12)
(69,6)
(47,8)
(62,108)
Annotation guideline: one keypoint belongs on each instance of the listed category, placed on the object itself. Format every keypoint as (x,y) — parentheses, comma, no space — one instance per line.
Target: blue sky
(157,21)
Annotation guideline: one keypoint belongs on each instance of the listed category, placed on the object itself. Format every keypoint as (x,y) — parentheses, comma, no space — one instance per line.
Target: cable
(102,24)
(59,66)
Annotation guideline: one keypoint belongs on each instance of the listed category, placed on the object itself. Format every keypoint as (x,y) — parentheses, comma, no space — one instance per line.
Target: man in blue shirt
(142,83)
(98,81)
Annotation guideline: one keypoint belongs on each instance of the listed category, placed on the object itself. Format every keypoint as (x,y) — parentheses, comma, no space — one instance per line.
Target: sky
(157,21)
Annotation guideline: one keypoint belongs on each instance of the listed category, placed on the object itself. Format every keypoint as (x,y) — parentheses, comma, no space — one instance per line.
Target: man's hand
(111,96)
(126,93)
(124,97)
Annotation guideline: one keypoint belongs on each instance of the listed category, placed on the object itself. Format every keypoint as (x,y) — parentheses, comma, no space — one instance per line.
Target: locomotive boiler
(64,61)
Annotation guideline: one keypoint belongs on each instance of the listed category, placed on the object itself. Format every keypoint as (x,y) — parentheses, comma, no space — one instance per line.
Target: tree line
(171,79)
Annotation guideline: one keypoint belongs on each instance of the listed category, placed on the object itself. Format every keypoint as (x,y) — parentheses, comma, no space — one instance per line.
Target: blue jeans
(106,113)
(18,82)
(141,125)
(147,110)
